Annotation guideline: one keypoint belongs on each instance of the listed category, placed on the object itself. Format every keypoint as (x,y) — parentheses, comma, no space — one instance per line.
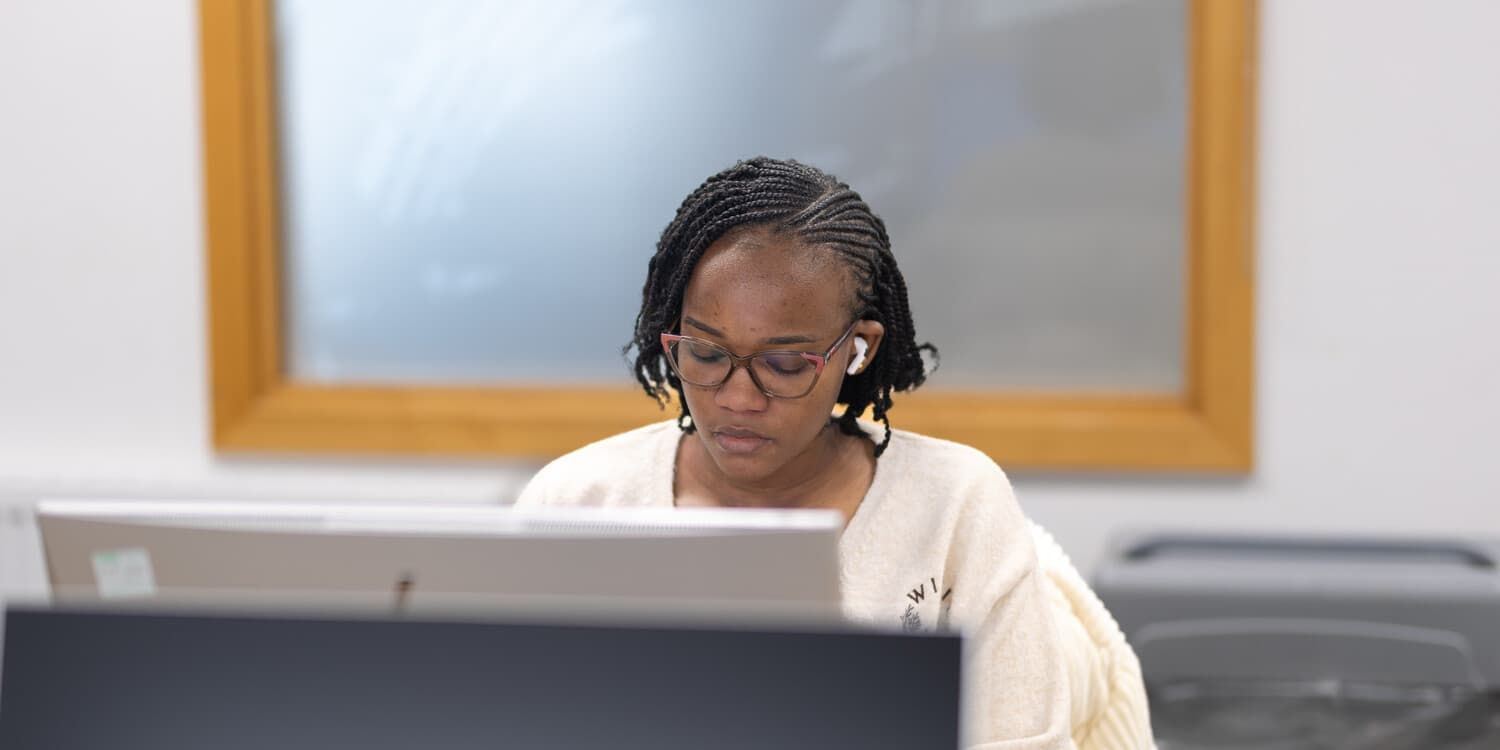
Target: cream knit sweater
(938,542)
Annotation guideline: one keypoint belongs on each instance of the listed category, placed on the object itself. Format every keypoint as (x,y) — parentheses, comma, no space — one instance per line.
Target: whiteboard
(471,190)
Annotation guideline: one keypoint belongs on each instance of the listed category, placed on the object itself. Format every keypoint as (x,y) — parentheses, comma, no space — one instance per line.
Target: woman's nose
(740,393)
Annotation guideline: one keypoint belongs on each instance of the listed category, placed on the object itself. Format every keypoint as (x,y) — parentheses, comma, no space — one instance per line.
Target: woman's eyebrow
(710,330)
(774,340)
(783,340)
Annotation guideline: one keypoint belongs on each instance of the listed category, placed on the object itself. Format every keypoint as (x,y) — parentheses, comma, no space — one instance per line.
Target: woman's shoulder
(956,483)
(620,464)
(939,459)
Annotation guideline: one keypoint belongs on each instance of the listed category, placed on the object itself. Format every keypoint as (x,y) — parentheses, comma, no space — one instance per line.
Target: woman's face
(756,290)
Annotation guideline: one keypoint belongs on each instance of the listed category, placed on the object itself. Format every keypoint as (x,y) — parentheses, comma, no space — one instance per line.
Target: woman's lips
(739,441)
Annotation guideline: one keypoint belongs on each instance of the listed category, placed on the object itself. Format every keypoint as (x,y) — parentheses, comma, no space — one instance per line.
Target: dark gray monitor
(149,680)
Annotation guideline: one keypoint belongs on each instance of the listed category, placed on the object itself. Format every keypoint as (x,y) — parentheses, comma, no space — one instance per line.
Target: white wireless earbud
(860,347)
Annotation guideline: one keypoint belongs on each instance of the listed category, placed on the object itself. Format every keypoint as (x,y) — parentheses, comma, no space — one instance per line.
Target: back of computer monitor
(155,681)
(433,559)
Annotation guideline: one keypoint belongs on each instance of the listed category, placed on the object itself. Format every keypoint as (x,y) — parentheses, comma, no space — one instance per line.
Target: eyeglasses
(778,374)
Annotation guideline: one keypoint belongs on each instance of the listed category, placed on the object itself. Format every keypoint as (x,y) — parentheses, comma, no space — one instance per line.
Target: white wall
(103,389)
(1379,264)
(1378,287)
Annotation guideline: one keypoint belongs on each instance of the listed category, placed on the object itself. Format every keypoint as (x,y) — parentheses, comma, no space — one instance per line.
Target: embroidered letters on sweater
(925,598)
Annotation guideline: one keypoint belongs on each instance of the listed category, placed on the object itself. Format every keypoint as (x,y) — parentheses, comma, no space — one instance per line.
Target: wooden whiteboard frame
(256,407)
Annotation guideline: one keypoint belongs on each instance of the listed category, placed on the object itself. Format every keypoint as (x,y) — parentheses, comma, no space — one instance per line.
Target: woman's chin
(743,466)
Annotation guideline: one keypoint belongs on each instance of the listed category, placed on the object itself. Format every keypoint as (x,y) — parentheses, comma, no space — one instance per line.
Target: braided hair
(821,211)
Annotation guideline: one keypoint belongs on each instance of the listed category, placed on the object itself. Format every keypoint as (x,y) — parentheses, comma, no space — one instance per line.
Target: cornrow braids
(821,211)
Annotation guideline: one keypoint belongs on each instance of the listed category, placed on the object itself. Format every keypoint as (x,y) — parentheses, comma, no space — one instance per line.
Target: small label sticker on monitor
(124,572)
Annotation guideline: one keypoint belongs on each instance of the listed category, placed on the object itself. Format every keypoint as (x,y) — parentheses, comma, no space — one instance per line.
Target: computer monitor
(702,560)
(94,678)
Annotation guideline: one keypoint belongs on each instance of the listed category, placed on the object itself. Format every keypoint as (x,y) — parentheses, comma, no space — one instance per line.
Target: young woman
(773,296)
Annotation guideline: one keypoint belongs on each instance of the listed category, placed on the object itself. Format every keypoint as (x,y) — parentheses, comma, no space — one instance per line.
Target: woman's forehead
(758,280)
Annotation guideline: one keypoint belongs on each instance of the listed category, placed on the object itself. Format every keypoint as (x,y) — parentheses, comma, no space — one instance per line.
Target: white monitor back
(777,563)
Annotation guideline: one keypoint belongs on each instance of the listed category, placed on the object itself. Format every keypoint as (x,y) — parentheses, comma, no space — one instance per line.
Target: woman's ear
(869,333)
